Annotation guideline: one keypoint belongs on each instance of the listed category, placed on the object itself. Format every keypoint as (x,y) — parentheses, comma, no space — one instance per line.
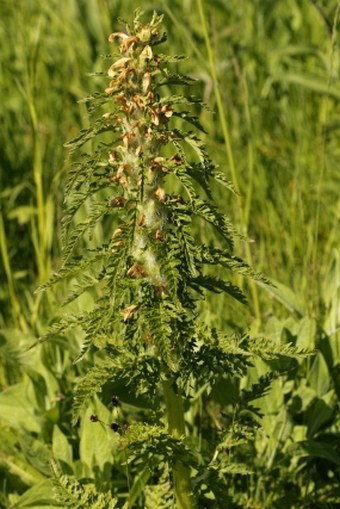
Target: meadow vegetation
(268,74)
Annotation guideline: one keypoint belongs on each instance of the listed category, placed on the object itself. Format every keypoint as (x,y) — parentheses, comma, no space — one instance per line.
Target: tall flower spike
(144,329)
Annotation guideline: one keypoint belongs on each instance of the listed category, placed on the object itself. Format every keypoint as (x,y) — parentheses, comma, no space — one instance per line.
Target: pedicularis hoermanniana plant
(144,330)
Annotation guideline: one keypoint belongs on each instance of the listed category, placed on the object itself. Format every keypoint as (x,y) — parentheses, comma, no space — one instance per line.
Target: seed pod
(141,220)
(118,202)
(136,271)
(128,312)
(117,232)
(146,82)
(115,401)
(114,426)
(120,35)
(158,235)
(125,428)
(160,193)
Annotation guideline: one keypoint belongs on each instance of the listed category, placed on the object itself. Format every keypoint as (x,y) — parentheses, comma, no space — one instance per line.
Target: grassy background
(274,102)
(269,73)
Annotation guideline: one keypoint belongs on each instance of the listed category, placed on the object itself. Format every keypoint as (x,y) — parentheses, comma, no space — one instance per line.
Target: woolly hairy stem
(181,473)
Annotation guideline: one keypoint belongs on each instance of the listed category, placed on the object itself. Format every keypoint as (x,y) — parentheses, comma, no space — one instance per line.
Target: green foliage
(145,330)
(71,494)
(301,421)
(159,495)
(271,86)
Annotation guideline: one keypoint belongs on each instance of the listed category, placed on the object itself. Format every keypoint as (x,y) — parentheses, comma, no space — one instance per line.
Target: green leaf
(309,82)
(96,438)
(39,496)
(321,412)
(16,465)
(18,407)
(319,449)
(36,452)
(285,295)
(217,285)
(22,214)
(61,448)
(139,485)
(319,377)
(73,495)
(306,333)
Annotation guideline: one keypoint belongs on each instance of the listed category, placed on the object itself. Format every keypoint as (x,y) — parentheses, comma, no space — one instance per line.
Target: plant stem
(43,263)
(181,473)
(229,151)
(37,174)
(18,316)
(322,165)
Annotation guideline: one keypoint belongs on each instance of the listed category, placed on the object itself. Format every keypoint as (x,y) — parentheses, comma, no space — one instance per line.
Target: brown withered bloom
(128,312)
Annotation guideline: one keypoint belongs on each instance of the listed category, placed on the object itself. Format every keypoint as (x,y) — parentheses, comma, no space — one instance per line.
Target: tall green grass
(269,73)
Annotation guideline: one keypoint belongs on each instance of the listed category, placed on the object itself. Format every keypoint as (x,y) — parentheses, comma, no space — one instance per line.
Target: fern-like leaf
(73,495)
